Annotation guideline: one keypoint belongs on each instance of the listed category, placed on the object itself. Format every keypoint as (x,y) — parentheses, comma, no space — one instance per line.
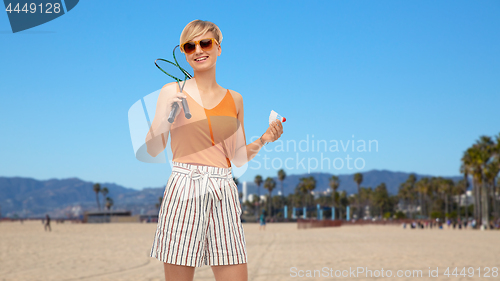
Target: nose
(198,48)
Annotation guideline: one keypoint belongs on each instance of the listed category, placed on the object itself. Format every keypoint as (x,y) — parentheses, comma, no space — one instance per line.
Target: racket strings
(176,64)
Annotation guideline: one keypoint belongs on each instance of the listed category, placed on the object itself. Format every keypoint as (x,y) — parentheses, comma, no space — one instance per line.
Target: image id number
(34,8)
(472,272)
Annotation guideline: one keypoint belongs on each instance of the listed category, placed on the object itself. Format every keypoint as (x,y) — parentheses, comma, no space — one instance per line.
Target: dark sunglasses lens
(206,44)
(189,47)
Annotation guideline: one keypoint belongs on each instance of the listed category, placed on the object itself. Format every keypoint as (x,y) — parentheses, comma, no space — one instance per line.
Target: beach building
(110,216)
(244,190)
(464,199)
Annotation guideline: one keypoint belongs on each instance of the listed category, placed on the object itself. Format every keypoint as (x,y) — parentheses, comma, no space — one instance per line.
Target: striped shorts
(199,219)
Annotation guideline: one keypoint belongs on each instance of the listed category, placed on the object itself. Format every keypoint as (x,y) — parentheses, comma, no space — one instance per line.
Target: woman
(199,220)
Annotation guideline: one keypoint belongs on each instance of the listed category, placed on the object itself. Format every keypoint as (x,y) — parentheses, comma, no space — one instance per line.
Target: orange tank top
(209,136)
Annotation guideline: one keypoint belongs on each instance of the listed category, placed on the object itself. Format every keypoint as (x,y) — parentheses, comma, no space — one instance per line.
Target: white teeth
(200,59)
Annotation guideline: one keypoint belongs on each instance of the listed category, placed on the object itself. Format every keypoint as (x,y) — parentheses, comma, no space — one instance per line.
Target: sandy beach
(120,251)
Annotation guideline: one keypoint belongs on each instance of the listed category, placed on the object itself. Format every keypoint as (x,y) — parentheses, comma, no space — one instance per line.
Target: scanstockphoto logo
(24,15)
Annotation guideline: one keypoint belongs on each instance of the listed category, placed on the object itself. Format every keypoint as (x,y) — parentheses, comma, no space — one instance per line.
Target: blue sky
(421,78)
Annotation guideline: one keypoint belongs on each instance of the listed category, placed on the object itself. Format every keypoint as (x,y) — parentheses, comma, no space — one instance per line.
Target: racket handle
(185,106)
(173,112)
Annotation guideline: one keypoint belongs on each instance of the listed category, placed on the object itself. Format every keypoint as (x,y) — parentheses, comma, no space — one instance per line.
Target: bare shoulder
(167,88)
(238,99)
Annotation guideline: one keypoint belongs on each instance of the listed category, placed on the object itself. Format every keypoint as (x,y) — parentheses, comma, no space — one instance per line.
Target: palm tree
(334,185)
(358,178)
(97,189)
(307,185)
(344,202)
(424,187)
(160,200)
(464,170)
(281,178)
(470,167)
(412,178)
(460,189)
(270,184)
(497,191)
(485,148)
(434,194)
(496,187)
(477,161)
(298,198)
(491,172)
(366,195)
(104,192)
(109,203)
(381,198)
(258,182)
(445,188)
(405,193)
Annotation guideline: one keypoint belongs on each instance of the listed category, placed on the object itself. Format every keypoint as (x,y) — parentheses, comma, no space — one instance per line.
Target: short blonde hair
(197,28)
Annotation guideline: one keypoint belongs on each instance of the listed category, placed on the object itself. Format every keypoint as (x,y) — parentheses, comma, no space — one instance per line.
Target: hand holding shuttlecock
(275,128)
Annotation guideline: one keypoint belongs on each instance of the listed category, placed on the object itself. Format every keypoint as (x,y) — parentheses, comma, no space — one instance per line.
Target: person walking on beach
(199,219)
(47,223)
(262,220)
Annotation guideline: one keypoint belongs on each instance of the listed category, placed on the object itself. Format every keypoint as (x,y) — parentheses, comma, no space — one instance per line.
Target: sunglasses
(205,45)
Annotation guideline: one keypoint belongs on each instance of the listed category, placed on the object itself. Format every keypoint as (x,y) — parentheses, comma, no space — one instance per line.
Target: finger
(181,95)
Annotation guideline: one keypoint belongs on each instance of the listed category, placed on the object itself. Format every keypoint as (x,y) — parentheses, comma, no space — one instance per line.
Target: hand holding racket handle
(175,107)
(173,112)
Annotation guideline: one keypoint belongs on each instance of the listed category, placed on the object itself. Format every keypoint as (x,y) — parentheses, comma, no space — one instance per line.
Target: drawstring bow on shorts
(207,179)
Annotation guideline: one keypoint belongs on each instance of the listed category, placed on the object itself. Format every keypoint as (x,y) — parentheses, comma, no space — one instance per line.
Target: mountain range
(65,198)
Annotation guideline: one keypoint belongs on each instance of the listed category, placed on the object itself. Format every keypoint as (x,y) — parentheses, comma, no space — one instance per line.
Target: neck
(205,81)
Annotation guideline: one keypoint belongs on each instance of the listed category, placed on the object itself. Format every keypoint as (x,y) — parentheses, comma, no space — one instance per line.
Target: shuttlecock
(274,115)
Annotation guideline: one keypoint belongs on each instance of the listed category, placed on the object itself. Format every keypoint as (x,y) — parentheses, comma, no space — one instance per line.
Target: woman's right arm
(157,137)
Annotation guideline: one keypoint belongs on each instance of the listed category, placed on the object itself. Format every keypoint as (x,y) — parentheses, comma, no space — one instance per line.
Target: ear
(219,50)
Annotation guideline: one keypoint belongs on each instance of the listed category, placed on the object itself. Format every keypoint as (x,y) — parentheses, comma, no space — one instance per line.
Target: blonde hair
(197,28)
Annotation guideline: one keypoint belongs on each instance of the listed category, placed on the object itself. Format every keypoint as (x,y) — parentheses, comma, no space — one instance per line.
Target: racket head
(180,60)
(173,71)
(170,69)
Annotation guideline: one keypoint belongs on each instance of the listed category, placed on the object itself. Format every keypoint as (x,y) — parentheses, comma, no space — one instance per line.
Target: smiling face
(202,60)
